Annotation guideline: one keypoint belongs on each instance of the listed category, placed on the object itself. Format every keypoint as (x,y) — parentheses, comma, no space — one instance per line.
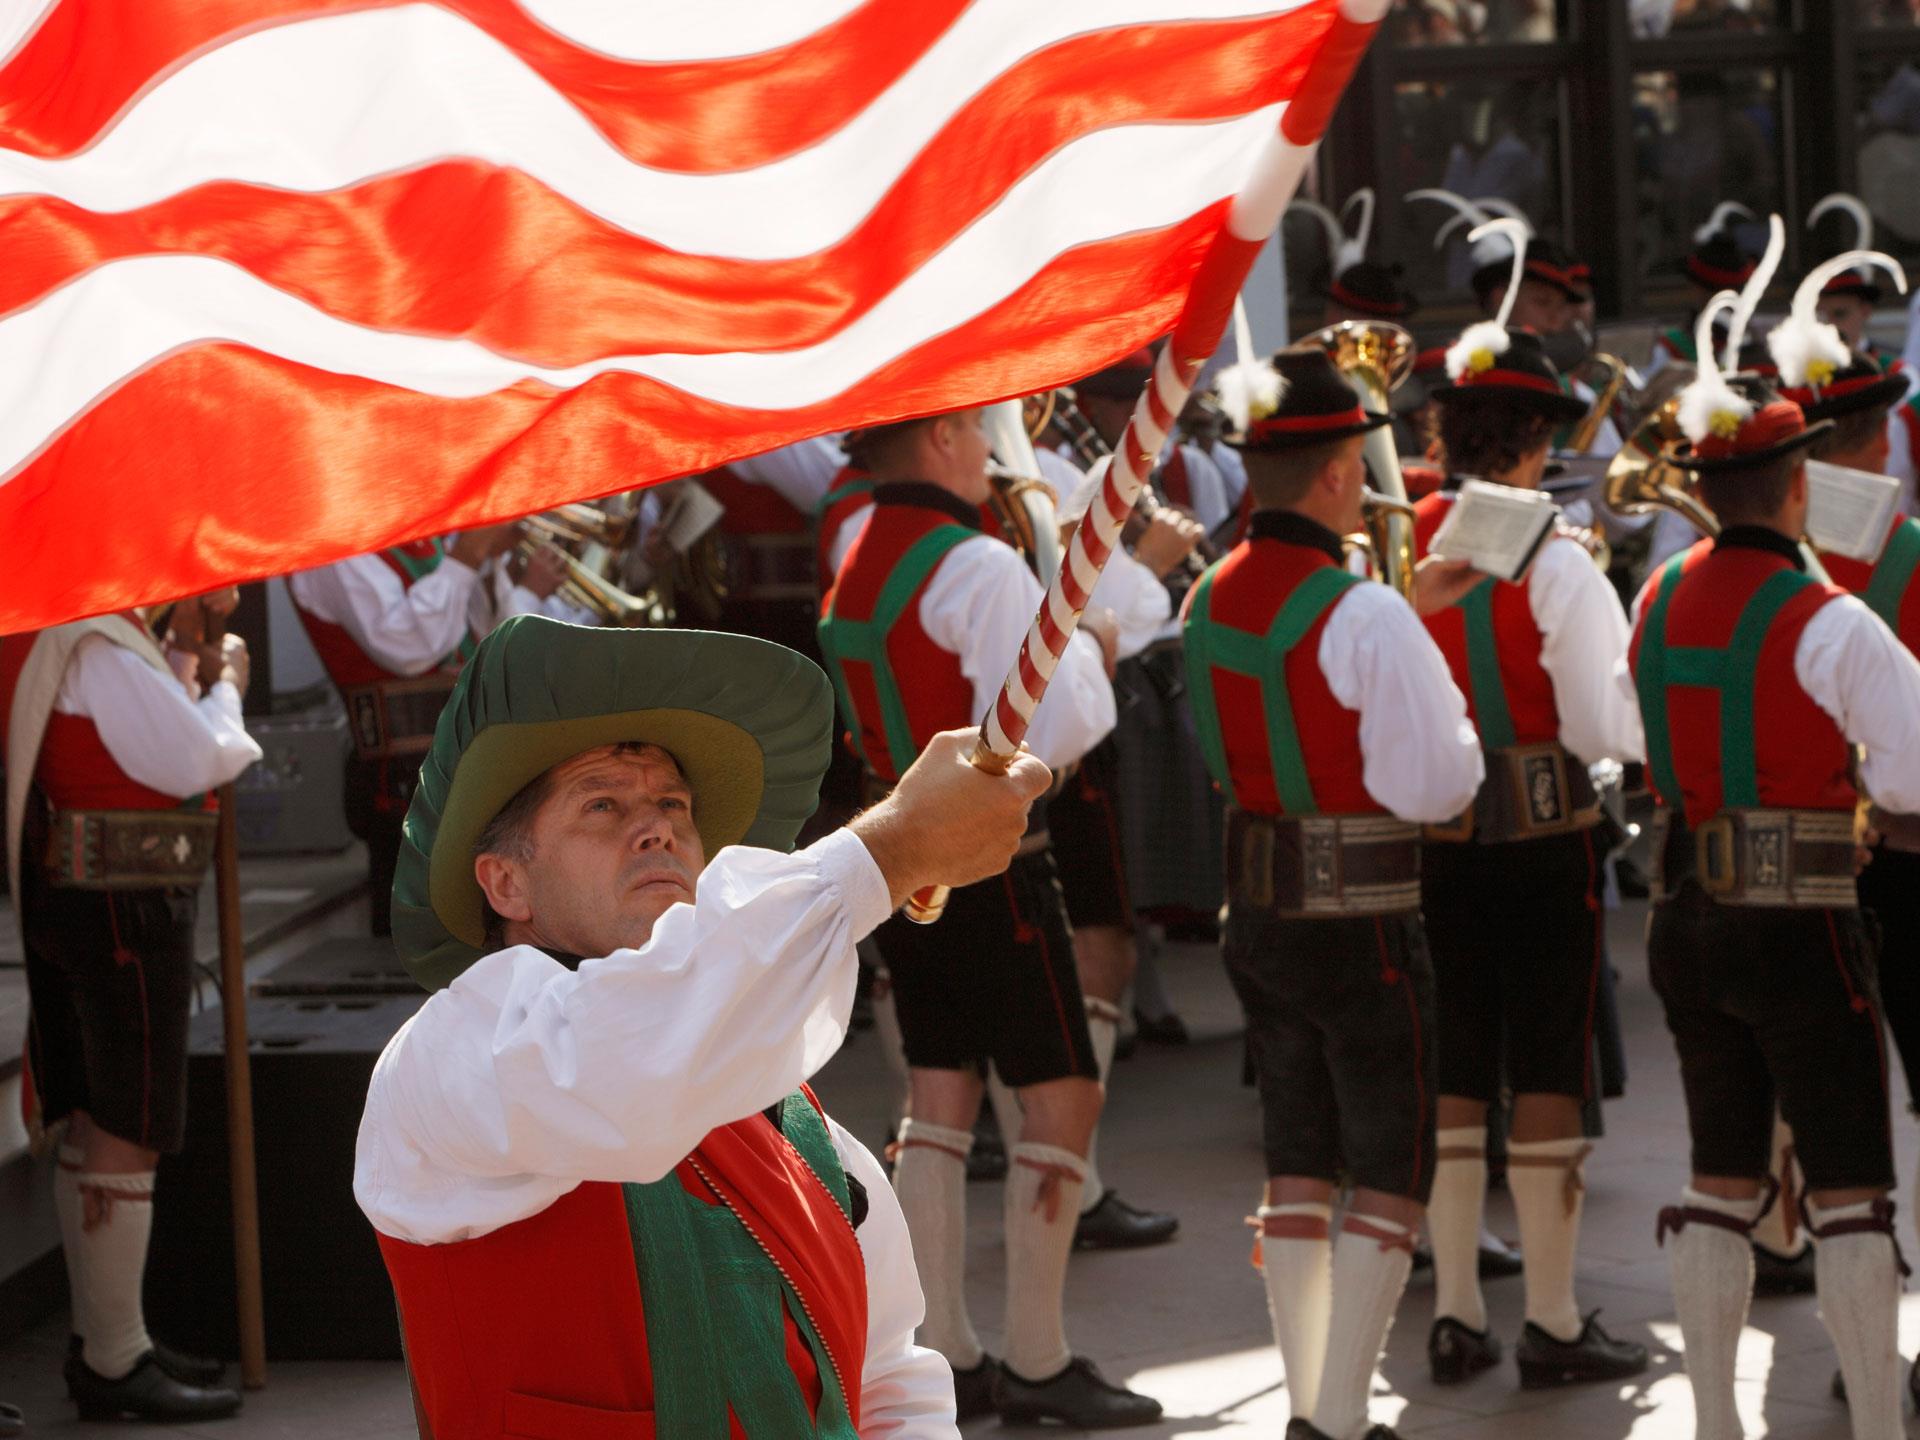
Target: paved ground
(1188,1322)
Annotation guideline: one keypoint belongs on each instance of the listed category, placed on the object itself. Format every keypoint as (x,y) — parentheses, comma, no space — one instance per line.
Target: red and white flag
(283,281)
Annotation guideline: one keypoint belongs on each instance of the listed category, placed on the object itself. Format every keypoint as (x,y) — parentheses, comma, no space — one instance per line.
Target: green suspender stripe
(1262,658)
(1732,669)
(1893,573)
(1490,711)
(844,492)
(1680,340)
(865,641)
(418,567)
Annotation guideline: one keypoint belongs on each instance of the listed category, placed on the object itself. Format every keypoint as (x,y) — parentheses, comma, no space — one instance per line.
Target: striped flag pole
(1254,214)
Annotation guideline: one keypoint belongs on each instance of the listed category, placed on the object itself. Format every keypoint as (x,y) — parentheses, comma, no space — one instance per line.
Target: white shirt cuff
(847,864)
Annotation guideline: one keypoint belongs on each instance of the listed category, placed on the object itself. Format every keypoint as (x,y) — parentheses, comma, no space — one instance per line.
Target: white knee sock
(1544,1176)
(1370,1265)
(893,1045)
(1453,1222)
(1780,1230)
(1296,1257)
(1859,1282)
(1103,1024)
(930,1179)
(1006,1108)
(116,1224)
(1043,1202)
(1712,1286)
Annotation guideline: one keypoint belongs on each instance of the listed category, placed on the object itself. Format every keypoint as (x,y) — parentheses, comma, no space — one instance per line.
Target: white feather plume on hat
(1807,351)
(1718,219)
(1492,246)
(1710,406)
(1481,345)
(1249,391)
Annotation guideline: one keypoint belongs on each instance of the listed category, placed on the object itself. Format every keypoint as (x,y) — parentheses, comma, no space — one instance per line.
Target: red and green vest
(1492,644)
(349,666)
(1273,736)
(1727,722)
(1888,585)
(897,688)
(850,493)
(1677,341)
(726,1300)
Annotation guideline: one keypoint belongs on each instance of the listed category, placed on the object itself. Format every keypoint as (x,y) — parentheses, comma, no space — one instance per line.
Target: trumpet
(1615,371)
(584,586)
(1375,358)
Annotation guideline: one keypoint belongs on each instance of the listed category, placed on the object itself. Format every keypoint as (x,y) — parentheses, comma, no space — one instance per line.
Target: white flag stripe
(18,20)
(326,103)
(660,30)
(75,344)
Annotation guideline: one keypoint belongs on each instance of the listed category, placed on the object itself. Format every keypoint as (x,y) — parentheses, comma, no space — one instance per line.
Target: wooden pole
(249,1302)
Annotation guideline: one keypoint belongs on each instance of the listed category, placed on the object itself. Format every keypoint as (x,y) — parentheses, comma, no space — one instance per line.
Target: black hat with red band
(1861,385)
(1371,287)
(1490,364)
(1545,262)
(1315,407)
(1719,262)
(1739,422)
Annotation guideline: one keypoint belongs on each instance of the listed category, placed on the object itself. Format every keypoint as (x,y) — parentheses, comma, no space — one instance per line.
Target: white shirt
(522,1080)
(1856,670)
(979,604)
(1421,758)
(406,630)
(1215,496)
(154,731)
(1129,589)
(801,472)
(1900,458)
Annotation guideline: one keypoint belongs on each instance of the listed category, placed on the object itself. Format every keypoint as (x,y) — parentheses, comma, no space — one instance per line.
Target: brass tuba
(1375,357)
(1642,478)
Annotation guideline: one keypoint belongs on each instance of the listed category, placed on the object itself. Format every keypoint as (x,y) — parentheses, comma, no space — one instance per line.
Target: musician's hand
(1439,583)
(544,571)
(218,606)
(235,665)
(475,547)
(1168,539)
(947,823)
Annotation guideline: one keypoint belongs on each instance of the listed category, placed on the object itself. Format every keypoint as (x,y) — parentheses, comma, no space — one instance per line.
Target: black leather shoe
(1079,1397)
(1546,1363)
(1167,1029)
(973,1389)
(1457,1352)
(1302,1430)
(147,1392)
(1776,1275)
(187,1369)
(1115,1225)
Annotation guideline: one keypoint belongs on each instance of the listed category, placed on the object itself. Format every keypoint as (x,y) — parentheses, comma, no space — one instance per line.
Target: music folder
(1849,512)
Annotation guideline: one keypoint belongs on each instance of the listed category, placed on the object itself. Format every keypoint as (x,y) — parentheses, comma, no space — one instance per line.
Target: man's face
(613,848)
(1349,471)
(1541,308)
(1848,314)
(960,451)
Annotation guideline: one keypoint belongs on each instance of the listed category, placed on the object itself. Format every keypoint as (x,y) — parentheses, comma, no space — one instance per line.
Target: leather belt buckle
(1766,857)
(1320,880)
(1455,831)
(1256,861)
(1715,861)
(1540,780)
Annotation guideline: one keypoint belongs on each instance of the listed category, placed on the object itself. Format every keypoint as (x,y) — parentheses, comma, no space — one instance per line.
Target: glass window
(1488,141)
(1653,19)
(1475,22)
(1888,156)
(1701,137)
(1887,14)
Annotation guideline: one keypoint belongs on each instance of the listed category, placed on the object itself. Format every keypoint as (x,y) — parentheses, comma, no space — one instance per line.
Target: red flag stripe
(273,466)
(531,274)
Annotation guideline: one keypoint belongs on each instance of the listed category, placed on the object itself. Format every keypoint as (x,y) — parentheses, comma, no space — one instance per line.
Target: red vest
(1737,730)
(1908,414)
(349,666)
(1889,585)
(1236,705)
(1492,645)
(75,770)
(753,509)
(538,1329)
(1175,483)
(897,687)
(850,493)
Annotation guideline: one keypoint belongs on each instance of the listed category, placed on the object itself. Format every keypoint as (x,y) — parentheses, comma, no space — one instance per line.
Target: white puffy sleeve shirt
(161,737)
(524,1079)
(405,630)
(1421,756)
(1583,640)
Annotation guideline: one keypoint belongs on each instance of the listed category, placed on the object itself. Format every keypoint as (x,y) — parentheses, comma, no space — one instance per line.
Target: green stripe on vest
(1680,340)
(865,641)
(1262,658)
(1893,574)
(716,1309)
(1490,711)
(1731,669)
(844,492)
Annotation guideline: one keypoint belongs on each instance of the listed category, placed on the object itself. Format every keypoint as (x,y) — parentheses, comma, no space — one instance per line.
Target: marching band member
(1354,287)
(113,749)
(1329,720)
(1754,679)
(768,526)
(1188,478)
(1512,893)
(604,1194)
(919,629)
(1717,261)
(392,629)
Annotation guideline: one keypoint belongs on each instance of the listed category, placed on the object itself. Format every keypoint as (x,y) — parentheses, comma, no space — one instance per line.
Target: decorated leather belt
(397,717)
(1798,859)
(129,849)
(873,790)
(1896,831)
(1323,865)
(1530,791)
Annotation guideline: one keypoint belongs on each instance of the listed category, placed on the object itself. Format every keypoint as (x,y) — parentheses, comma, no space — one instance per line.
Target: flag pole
(1253,216)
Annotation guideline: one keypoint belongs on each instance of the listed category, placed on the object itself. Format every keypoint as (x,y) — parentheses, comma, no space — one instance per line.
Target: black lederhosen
(110,978)
(1765,1003)
(1084,819)
(1340,1031)
(1516,932)
(377,795)
(993,979)
(1890,892)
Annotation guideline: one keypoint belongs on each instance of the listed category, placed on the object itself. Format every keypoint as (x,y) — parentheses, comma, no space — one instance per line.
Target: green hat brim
(749,723)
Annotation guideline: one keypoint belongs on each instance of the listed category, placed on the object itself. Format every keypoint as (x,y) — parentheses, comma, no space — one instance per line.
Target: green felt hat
(750,722)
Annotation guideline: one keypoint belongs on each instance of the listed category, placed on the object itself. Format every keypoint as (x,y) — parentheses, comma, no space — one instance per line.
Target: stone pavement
(1187,1322)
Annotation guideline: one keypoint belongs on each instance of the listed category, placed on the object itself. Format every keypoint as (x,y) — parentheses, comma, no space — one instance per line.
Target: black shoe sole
(108,1414)
(1459,1370)
(1545,1375)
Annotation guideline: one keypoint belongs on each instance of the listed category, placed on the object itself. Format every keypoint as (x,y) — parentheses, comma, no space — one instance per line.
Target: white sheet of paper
(694,511)
(1849,512)
(1495,528)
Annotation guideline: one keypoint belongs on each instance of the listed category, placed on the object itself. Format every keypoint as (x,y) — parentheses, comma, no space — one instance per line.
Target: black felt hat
(1372,287)
(1489,364)
(1545,262)
(1311,405)
(1719,262)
